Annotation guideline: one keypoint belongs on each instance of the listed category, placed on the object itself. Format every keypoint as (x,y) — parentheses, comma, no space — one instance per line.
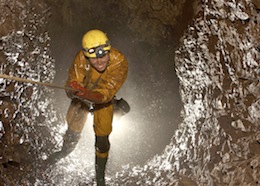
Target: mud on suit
(107,84)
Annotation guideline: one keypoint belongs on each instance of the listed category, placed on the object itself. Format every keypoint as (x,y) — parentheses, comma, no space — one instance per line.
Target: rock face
(155,20)
(219,71)
(217,64)
(25,109)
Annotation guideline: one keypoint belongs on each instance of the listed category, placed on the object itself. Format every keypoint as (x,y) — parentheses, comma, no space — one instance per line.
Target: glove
(76,86)
(71,93)
(84,93)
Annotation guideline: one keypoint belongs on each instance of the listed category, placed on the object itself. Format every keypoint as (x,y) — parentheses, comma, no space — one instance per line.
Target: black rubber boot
(70,141)
(100,170)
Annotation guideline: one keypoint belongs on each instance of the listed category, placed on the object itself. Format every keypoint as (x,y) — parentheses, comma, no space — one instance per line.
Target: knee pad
(102,144)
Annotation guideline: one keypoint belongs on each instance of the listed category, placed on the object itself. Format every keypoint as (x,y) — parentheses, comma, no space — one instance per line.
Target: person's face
(100,64)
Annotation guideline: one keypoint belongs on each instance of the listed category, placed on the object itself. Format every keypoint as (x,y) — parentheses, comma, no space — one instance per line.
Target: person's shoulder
(116,53)
(80,57)
(117,58)
(80,53)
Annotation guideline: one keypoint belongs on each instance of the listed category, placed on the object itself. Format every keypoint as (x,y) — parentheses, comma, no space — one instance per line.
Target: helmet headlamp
(99,50)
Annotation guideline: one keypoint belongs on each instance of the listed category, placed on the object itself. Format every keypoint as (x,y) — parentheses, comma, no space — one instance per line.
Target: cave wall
(26,111)
(218,67)
(152,21)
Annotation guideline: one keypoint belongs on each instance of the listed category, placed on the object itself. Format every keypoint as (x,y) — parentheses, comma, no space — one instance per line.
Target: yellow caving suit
(107,83)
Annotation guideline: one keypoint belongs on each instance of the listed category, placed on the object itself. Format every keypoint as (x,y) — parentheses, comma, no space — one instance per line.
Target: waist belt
(103,105)
(92,106)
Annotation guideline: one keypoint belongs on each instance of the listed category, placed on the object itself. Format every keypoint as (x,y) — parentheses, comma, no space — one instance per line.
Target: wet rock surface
(25,110)
(217,63)
(218,67)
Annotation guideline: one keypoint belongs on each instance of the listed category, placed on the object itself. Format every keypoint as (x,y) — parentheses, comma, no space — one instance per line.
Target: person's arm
(85,93)
(77,72)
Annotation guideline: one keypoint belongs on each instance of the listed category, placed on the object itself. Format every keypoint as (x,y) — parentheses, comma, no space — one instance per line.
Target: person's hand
(76,86)
(72,93)
(84,93)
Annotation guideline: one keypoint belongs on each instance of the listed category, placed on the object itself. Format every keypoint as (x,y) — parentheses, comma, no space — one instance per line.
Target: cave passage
(151,89)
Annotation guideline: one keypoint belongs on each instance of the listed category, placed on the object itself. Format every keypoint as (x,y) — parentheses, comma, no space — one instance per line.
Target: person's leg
(102,127)
(102,147)
(76,118)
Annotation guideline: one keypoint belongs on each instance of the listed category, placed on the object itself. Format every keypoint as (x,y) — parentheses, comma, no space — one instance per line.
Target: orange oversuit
(106,83)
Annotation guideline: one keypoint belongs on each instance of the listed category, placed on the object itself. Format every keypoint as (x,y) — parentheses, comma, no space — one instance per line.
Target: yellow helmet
(95,44)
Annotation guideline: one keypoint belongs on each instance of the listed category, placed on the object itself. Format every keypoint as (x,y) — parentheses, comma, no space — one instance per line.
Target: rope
(34,82)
